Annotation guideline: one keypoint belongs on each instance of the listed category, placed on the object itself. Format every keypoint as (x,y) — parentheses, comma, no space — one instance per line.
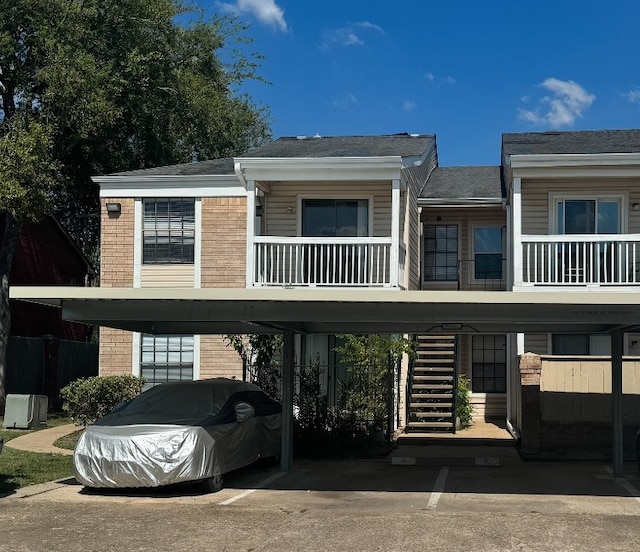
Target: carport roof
(222,311)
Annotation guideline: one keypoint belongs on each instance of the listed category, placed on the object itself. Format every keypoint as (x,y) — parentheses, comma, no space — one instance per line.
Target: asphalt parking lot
(356,504)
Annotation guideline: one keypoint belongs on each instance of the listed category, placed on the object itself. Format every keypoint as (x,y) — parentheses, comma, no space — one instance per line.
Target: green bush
(87,399)
(464,408)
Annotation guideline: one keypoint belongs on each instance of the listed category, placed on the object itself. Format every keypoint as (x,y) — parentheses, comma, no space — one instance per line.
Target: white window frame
(472,251)
(331,196)
(556,197)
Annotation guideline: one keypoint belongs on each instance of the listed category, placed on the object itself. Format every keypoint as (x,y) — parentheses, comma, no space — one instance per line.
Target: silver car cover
(132,448)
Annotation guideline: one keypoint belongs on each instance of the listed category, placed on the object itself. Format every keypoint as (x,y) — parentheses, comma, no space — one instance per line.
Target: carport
(292,311)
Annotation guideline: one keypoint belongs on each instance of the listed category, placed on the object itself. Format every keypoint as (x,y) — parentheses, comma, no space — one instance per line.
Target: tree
(100,86)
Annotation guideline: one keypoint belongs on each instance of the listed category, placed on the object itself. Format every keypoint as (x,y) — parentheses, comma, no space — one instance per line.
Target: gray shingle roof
(474,182)
(404,145)
(585,141)
(212,167)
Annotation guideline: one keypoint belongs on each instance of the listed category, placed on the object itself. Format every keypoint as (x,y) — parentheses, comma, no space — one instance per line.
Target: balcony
(580,260)
(330,262)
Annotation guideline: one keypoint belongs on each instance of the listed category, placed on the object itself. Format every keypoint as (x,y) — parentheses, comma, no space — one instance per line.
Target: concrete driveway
(344,505)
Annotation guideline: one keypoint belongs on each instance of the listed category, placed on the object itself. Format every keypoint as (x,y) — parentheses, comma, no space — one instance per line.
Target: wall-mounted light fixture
(635,206)
(114,209)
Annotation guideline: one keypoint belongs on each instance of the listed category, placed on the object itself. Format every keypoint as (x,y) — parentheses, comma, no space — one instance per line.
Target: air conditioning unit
(25,411)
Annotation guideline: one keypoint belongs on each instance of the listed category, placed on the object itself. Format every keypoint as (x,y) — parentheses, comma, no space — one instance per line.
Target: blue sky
(466,70)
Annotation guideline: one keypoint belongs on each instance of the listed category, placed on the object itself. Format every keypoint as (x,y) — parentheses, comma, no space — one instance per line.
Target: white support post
(288,384)
(394,261)
(516,218)
(251,216)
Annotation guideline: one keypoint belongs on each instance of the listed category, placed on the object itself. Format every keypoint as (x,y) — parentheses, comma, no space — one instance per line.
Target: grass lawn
(21,469)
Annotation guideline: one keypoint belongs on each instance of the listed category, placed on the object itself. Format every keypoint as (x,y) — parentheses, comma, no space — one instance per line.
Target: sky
(466,70)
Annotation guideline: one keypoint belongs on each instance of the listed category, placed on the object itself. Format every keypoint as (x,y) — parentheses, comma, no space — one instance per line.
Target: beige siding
(282,203)
(535,199)
(466,219)
(536,343)
(579,389)
(178,276)
(487,406)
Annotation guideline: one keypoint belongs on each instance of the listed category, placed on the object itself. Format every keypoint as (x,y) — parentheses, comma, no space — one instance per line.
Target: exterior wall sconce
(635,206)
(114,209)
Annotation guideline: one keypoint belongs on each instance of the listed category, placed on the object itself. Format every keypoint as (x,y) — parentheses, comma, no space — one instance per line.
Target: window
(168,231)
(489,364)
(440,252)
(335,217)
(588,215)
(487,253)
(166,358)
(336,263)
(581,344)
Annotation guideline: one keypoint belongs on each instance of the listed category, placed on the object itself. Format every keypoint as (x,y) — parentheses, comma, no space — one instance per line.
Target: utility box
(25,411)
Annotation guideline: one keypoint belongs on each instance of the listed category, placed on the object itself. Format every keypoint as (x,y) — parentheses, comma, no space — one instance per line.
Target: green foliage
(464,408)
(118,85)
(369,359)
(260,354)
(87,399)
(27,169)
(20,468)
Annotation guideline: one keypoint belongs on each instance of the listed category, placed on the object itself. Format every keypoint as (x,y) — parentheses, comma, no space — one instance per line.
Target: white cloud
(562,107)
(633,96)
(266,11)
(429,76)
(409,106)
(369,25)
(345,101)
(351,35)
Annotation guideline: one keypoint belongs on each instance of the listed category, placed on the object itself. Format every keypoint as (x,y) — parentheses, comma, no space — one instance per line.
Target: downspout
(250,188)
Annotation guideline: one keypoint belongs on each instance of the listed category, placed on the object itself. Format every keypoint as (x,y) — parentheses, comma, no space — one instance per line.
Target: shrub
(464,408)
(87,399)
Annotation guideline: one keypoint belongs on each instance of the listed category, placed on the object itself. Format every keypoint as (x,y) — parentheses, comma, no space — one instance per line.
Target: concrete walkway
(43,439)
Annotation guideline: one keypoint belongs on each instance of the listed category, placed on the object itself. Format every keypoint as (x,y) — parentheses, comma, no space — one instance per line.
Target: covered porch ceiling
(222,311)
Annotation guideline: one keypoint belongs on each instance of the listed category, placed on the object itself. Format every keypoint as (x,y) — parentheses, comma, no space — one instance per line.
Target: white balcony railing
(343,262)
(581,259)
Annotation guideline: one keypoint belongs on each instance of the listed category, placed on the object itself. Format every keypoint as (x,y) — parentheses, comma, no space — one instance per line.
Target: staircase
(432,391)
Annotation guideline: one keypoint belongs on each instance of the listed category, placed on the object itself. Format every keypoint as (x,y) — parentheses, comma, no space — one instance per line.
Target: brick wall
(217,360)
(116,244)
(116,270)
(115,352)
(224,229)
(530,370)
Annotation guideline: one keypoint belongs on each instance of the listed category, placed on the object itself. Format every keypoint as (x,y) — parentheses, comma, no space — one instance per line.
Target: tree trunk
(7,251)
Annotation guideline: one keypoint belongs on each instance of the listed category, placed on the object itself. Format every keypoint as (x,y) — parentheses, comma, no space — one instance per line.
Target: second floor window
(168,231)
(487,254)
(440,252)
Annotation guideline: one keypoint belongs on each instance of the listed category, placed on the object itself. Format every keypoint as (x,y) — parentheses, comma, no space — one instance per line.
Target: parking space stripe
(624,483)
(438,488)
(249,491)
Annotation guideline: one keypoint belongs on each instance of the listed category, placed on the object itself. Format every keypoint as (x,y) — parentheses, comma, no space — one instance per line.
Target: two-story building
(378,212)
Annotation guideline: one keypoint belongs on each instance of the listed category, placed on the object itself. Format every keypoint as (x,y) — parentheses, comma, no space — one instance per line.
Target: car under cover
(178,432)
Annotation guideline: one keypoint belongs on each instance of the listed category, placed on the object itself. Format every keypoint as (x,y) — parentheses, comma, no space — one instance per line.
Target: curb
(473,461)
